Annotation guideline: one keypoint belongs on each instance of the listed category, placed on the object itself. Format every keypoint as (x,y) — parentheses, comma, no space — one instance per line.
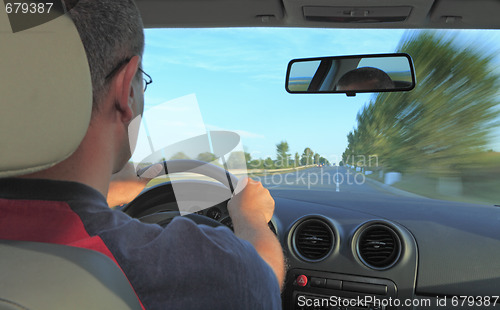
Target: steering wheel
(160,204)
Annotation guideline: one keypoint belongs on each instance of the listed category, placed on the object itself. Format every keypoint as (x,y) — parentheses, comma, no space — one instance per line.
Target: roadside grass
(486,191)
(264,172)
(479,191)
(480,181)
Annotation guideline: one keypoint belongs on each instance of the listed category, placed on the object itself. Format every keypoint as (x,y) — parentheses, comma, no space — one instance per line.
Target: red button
(302,280)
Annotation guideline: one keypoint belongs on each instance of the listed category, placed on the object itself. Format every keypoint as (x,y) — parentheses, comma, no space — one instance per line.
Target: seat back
(42,276)
(45,109)
(46,92)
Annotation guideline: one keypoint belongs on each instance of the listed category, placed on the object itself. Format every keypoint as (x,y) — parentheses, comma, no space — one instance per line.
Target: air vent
(378,246)
(272,227)
(313,240)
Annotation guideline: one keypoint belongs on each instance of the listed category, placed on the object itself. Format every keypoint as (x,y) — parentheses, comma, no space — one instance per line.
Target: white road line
(337,180)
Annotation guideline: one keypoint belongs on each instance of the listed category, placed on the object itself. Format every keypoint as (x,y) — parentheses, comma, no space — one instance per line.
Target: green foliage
(283,159)
(316,158)
(282,156)
(255,164)
(206,157)
(237,160)
(179,155)
(307,157)
(444,122)
(268,163)
(248,157)
(323,161)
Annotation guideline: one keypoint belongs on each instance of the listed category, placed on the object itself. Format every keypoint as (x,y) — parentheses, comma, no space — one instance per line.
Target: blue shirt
(182,266)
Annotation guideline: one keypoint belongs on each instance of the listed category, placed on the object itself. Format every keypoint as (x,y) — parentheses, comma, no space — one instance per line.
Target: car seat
(45,112)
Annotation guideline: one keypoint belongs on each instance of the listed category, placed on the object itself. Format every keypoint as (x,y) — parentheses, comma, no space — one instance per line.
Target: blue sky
(238,78)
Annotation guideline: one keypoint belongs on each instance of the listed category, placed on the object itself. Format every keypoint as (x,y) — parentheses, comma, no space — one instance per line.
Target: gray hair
(111,31)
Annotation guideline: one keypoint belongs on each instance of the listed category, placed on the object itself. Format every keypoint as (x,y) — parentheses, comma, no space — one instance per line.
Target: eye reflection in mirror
(351,74)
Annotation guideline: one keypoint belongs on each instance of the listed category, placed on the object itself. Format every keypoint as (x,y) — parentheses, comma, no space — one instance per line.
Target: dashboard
(346,250)
(403,253)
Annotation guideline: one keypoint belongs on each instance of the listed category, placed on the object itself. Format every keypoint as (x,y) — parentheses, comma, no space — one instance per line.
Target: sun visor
(213,13)
(46,94)
(466,14)
(346,13)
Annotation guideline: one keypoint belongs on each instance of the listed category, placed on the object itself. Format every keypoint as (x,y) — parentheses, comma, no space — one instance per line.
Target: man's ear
(125,92)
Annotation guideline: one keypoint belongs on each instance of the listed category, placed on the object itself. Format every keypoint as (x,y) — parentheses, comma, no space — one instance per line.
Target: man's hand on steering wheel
(252,202)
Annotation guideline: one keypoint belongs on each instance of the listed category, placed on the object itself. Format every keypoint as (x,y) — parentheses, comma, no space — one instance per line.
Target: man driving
(184,266)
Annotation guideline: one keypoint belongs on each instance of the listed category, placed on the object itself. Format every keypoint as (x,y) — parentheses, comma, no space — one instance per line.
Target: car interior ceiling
(478,14)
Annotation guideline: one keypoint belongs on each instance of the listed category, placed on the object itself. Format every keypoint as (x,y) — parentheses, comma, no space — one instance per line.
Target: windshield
(440,140)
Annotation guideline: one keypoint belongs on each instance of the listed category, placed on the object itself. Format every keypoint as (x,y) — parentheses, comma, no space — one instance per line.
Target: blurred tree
(248,158)
(306,158)
(268,163)
(282,156)
(297,159)
(323,161)
(256,164)
(206,157)
(179,155)
(237,160)
(443,123)
(316,158)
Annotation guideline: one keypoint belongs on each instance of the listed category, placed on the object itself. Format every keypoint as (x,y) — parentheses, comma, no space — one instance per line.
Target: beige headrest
(46,95)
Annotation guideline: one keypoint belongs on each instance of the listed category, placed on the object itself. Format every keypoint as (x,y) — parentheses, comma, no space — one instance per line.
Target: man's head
(111,31)
(112,34)
(365,78)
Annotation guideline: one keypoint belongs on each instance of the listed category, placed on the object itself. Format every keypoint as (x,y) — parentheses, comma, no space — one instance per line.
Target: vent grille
(379,247)
(272,228)
(313,240)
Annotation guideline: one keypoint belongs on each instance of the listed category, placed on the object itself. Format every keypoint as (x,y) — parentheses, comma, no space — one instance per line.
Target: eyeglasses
(147,80)
(146,77)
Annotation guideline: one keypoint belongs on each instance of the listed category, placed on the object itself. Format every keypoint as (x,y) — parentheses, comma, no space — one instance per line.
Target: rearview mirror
(351,74)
